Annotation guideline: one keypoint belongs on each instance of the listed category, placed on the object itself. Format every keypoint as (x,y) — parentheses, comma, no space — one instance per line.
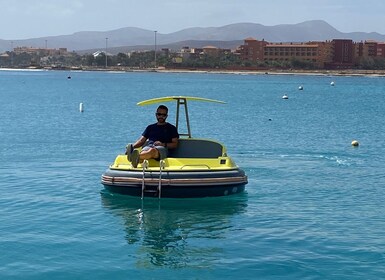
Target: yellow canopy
(176,98)
(180,100)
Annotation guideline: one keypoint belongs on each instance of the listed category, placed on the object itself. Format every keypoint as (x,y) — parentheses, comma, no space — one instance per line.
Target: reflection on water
(176,232)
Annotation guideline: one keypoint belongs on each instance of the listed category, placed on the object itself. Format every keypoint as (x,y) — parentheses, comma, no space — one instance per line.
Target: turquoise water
(313,209)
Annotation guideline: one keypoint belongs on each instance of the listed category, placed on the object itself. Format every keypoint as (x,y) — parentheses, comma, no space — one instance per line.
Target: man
(157,138)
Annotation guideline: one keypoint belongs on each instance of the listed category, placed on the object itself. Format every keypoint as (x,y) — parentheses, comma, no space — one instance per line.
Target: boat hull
(175,184)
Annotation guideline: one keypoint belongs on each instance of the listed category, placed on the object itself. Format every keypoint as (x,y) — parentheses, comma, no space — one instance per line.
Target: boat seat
(196,148)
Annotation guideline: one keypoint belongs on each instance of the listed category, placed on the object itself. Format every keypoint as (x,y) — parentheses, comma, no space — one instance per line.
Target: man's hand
(158,143)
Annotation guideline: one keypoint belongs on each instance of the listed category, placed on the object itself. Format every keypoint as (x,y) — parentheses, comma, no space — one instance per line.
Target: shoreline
(375,73)
(345,72)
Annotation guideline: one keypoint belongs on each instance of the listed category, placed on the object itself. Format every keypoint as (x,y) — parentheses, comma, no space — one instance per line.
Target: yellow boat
(196,168)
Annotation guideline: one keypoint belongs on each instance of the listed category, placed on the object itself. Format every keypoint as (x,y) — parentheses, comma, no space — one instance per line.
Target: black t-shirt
(163,133)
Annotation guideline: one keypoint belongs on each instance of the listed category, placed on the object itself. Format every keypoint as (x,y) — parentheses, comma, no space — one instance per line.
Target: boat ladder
(151,189)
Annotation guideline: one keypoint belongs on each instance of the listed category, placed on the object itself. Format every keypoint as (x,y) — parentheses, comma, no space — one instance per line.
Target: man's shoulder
(171,125)
(152,125)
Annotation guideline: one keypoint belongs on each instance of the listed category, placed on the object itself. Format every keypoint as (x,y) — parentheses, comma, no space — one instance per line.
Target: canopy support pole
(180,102)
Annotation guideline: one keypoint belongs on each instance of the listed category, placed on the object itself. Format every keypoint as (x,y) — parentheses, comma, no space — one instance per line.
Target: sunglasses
(160,115)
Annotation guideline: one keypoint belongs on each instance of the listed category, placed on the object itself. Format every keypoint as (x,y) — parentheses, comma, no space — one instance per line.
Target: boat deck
(191,154)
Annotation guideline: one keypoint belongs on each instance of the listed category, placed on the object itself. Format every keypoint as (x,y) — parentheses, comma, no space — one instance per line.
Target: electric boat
(196,168)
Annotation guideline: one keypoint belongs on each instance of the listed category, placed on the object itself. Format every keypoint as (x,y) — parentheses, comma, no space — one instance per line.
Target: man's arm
(173,144)
(140,142)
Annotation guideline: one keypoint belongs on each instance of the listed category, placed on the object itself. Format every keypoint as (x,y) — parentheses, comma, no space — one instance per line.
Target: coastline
(344,72)
(375,73)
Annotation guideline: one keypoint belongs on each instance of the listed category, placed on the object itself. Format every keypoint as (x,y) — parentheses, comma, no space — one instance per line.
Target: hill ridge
(133,37)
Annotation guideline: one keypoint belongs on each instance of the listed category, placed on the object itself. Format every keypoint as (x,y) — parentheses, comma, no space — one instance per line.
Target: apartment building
(287,52)
(370,48)
(255,50)
(341,54)
(40,51)
(252,50)
(337,53)
(381,50)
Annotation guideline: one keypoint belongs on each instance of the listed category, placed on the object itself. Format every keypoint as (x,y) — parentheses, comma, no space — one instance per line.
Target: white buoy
(355,143)
(81,109)
(300,87)
(332,83)
(285,96)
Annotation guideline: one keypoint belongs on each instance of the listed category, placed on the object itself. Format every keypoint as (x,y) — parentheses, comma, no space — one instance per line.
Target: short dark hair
(163,108)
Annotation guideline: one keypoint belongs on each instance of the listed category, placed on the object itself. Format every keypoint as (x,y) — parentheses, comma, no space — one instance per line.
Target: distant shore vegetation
(148,60)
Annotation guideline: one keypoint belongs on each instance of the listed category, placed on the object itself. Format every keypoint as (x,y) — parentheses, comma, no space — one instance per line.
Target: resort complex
(337,53)
(253,54)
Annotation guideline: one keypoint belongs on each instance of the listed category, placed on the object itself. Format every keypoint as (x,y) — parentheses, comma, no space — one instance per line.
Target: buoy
(285,96)
(81,109)
(332,83)
(355,143)
(300,87)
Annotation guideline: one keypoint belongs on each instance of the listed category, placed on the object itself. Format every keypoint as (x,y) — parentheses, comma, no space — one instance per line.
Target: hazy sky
(21,19)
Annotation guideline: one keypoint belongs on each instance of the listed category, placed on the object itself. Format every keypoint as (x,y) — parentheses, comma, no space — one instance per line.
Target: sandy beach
(344,72)
(379,73)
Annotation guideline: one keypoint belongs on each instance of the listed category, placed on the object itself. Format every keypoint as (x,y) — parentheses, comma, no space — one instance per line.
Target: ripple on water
(313,207)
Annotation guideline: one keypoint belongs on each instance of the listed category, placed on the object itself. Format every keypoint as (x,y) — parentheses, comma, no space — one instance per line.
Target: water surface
(313,208)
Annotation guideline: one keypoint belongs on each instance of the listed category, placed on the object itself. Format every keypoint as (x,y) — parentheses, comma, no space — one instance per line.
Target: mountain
(130,38)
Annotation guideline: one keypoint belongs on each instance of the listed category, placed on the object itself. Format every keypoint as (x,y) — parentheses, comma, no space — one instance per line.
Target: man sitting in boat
(156,139)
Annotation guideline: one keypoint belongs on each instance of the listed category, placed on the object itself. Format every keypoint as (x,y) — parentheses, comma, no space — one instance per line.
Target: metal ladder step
(152,189)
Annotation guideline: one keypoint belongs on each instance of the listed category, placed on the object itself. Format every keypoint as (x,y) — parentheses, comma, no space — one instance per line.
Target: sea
(313,207)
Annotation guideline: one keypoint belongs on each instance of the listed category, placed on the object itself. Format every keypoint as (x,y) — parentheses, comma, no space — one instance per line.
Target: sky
(24,19)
